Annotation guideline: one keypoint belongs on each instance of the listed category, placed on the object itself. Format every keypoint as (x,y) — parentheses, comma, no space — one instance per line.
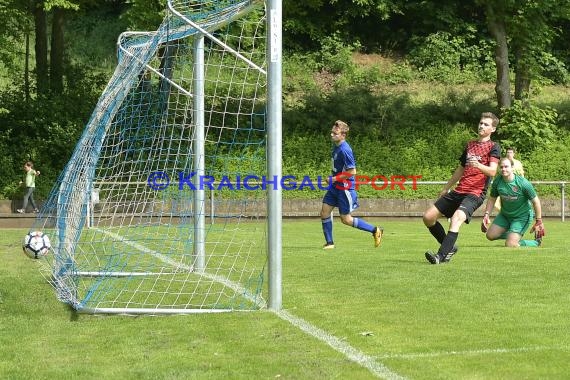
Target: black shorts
(450,202)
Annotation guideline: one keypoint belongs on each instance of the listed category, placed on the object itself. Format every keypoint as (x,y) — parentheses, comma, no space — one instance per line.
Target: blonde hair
(342,127)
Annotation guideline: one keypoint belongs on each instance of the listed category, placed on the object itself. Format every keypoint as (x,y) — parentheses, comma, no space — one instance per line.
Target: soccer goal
(153,212)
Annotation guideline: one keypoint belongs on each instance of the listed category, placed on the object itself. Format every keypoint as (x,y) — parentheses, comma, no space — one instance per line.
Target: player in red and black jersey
(478,165)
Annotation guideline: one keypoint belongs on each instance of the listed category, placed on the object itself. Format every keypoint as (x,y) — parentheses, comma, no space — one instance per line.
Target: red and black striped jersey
(473,181)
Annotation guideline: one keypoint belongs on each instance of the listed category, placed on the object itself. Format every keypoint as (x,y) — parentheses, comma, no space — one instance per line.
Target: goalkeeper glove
(485,223)
(538,229)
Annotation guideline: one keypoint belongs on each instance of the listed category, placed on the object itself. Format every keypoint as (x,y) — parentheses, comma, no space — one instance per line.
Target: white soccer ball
(36,244)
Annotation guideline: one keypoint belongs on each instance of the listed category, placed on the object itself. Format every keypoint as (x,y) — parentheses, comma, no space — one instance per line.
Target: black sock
(447,244)
(438,232)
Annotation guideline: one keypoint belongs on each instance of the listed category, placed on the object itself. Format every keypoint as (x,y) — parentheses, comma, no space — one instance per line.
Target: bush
(335,55)
(448,58)
(553,69)
(549,163)
(527,127)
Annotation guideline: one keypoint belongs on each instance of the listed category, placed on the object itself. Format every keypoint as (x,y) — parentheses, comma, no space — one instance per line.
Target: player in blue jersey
(341,192)
(518,199)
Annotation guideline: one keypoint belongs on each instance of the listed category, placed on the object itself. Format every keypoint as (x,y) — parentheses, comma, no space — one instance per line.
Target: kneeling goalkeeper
(516,215)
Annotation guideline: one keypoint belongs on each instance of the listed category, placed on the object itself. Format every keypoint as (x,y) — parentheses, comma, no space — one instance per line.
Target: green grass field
(352,313)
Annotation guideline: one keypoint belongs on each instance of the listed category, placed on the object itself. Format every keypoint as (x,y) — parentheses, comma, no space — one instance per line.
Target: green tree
(49,73)
(498,29)
(306,23)
(145,14)
(15,24)
(528,29)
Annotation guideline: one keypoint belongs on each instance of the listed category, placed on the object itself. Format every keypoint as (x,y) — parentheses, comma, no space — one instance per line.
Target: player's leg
(26,197)
(32,201)
(445,206)
(499,229)
(430,219)
(519,227)
(463,214)
(530,243)
(512,239)
(447,248)
(496,232)
(329,202)
(347,203)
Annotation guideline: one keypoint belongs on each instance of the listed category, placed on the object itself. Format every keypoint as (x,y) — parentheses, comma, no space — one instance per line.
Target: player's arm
(489,207)
(347,173)
(342,176)
(487,215)
(453,180)
(538,227)
(489,170)
(537,207)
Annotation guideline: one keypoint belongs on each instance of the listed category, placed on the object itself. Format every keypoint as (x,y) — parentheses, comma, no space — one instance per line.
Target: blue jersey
(343,160)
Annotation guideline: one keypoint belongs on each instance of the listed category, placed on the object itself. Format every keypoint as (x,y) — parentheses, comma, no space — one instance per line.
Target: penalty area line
(488,351)
(366,361)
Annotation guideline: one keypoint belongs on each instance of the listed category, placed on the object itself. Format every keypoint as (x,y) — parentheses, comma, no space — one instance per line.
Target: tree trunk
(168,53)
(499,33)
(27,67)
(40,22)
(57,51)
(522,75)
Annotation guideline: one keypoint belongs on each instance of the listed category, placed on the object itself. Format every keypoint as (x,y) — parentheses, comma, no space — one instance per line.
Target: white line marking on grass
(344,348)
(144,249)
(470,352)
(238,288)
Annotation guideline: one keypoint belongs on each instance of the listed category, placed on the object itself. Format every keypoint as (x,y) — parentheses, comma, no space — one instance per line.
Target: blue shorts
(345,200)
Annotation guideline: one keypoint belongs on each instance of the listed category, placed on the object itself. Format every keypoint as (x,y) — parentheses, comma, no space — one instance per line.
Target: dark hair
(492,116)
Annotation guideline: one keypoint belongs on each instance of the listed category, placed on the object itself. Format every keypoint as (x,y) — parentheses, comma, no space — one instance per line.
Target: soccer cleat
(36,210)
(539,241)
(448,257)
(20,211)
(433,259)
(377,235)
(328,246)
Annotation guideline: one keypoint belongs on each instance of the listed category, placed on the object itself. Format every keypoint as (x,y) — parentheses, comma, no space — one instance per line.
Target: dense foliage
(414,127)
(410,77)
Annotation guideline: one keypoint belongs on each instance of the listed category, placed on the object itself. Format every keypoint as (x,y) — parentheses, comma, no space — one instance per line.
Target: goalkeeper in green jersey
(518,199)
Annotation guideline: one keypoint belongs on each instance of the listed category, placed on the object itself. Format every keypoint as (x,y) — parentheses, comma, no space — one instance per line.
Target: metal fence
(560,184)
(210,207)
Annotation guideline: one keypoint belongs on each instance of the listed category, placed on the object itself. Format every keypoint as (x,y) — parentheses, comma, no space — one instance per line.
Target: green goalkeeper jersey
(515,196)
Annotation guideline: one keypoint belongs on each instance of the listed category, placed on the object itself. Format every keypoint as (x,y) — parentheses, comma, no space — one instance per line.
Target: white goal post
(199,97)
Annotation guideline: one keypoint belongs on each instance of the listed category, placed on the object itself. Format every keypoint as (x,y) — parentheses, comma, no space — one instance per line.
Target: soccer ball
(36,244)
